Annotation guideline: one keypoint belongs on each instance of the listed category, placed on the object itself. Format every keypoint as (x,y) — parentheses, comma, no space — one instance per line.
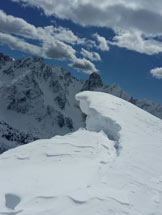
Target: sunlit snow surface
(89,172)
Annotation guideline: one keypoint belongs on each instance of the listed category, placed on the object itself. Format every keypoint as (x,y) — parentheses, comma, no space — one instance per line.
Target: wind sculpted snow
(111,168)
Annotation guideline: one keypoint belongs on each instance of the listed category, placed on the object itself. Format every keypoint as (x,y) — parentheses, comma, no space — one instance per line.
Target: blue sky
(119,39)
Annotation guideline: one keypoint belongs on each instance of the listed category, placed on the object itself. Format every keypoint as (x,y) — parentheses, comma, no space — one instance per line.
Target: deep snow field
(113,167)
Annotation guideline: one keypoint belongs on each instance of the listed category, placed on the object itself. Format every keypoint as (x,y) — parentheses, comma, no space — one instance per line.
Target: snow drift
(111,168)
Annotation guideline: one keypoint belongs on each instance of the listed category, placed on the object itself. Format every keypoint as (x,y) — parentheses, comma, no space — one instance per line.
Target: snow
(54,172)
(36,100)
(29,94)
(113,167)
(137,171)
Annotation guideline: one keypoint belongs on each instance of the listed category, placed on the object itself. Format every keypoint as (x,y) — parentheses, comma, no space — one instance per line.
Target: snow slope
(111,168)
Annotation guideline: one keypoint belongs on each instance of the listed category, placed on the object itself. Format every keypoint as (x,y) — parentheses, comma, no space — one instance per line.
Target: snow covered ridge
(38,101)
(113,115)
(82,173)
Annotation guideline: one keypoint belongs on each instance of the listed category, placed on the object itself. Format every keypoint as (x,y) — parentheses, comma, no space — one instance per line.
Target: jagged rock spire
(93,82)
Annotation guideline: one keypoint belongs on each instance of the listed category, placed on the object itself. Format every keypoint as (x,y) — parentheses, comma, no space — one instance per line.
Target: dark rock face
(69,123)
(93,82)
(11,137)
(33,91)
(61,101)
(4,58)
(60,120)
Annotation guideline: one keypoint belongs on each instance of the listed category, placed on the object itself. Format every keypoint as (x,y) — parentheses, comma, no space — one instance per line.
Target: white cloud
(17,26)
(68,36)
(143,17)
(13,25)
(134,40)
(84,64)
(157,73)
(138,14)
(103,43)
(54,42)
(58,50)
(93,56)
(19,44)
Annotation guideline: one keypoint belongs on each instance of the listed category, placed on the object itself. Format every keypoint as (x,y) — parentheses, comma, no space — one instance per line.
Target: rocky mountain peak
(30,61)
(96,78)
(5,58)
(34,59)
(94,81)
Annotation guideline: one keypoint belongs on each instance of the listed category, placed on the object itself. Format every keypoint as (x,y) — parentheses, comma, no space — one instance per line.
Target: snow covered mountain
(113,167)
(38,101)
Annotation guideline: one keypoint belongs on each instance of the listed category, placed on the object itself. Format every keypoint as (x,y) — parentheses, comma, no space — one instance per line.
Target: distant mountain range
(38,101)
